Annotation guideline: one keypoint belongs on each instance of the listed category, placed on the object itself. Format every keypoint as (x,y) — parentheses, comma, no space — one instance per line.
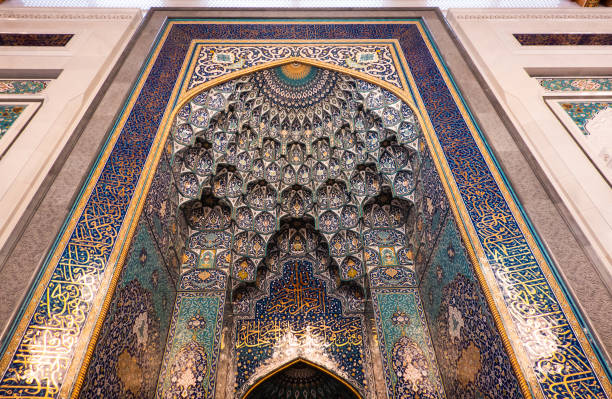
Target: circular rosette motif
(404,183)
(350,268)
(391,117)
(296,200)
(189,185)
(296,90)
(187,373)
(244,269)
(199,118)
(184,134)
(244,218)
(264,223)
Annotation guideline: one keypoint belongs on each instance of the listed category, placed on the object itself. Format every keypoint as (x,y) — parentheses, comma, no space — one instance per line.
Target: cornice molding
(534,16)
(69,15)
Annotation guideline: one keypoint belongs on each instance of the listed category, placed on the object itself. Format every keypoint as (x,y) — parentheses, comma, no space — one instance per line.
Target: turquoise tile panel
(408,356)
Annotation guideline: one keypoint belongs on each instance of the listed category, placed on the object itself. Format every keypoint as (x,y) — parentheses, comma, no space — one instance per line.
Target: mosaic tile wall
(575,84)
(8,116)
(164,219)
(128,355)
(564,39)
(469,350)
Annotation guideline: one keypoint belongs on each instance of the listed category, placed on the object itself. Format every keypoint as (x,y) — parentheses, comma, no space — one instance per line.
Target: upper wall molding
(478,14)
(70,14)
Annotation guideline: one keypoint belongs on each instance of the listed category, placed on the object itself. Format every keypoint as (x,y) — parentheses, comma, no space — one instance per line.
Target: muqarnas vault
(299,213)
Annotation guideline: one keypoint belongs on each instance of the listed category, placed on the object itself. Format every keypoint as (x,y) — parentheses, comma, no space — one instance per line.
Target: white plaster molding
(69,14)
(479,14)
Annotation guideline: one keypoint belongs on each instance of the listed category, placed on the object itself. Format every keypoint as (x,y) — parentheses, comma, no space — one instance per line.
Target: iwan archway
(301,192)
(297,205)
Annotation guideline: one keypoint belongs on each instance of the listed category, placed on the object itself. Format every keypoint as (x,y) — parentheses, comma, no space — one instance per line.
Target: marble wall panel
(128,355)
(470,353)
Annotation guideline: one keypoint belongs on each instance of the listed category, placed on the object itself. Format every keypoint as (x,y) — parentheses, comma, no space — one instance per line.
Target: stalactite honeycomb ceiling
(290,142)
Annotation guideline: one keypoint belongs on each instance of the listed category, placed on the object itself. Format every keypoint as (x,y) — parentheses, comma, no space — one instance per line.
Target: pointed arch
(292,363)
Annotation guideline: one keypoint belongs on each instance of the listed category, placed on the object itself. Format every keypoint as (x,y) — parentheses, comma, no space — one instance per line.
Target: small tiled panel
(23,86)
(576,84)
(586,113)
(564,39)
(8,115)
(35,39)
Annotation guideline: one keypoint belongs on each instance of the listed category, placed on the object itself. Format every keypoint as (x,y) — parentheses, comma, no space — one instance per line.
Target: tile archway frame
(298,360)
(427,130)
(416,30)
